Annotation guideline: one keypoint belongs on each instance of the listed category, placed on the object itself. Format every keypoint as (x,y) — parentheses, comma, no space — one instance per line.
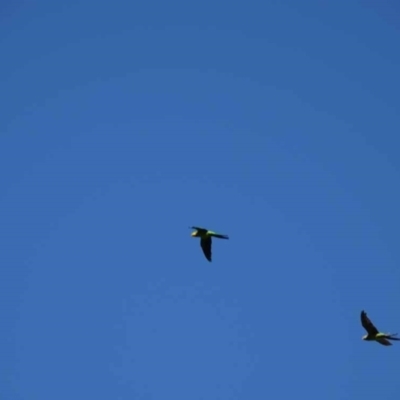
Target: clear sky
(123,123)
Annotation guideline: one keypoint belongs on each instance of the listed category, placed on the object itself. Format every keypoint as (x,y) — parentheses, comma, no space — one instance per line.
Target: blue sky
(122,124)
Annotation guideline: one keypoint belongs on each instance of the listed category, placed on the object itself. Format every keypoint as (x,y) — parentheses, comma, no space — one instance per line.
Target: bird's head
(193,234)
(364,337)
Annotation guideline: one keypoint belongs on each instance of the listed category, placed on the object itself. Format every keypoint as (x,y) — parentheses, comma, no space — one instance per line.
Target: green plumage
(373,334)
(206,236)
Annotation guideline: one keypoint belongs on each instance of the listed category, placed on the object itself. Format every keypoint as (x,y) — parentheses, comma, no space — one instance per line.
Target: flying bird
(373,333)
(205,239)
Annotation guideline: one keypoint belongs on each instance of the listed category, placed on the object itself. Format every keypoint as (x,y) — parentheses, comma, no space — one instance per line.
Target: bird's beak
(193,233)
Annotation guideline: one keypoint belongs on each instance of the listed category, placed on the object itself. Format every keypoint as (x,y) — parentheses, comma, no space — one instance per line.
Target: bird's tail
(391,336)
(220,236)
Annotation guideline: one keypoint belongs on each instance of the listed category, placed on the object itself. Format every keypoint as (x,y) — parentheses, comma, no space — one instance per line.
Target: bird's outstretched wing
(368,325)
(201,230)
(205,244)
(384,341)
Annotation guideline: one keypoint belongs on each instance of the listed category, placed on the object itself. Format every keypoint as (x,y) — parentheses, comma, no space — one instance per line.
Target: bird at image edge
(206,239)
(373,333)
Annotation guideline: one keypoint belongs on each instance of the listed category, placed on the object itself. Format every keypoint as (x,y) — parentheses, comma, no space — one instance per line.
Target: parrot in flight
(373,333)
(205,239)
